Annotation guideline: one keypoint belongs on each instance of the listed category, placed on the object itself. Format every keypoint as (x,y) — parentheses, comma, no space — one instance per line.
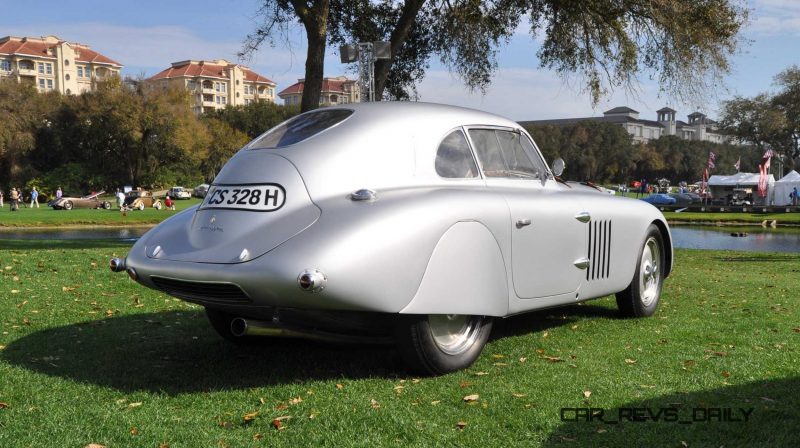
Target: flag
(768,154)
(762,179)
(711,158)
(738,164)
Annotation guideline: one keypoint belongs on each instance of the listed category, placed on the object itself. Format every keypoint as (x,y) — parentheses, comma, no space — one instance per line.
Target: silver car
(405,222)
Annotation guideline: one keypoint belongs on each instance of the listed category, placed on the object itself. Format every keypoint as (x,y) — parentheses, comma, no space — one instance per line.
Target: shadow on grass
(707,416)
(178,352)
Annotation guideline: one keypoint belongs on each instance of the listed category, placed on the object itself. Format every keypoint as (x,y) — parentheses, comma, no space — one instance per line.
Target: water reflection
(687,237)
(124,234)
(758,239)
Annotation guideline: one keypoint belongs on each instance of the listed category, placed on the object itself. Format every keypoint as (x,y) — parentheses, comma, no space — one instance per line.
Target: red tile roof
(207,69)
(329,85)
(39,48)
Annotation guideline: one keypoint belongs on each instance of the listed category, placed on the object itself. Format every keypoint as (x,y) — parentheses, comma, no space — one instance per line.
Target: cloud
(775,17)
(532,94)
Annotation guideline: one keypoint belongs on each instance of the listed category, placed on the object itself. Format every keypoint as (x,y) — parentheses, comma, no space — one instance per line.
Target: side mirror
(558,166)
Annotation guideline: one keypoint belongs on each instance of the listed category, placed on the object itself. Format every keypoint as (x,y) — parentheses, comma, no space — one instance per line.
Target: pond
(122,233)
(686,237)
(757,239)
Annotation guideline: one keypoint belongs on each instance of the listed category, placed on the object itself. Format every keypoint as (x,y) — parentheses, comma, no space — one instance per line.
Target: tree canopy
(606,44)
(769,120)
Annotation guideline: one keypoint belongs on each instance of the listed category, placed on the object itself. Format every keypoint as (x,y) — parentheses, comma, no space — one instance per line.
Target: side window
(453,158)
(506,154)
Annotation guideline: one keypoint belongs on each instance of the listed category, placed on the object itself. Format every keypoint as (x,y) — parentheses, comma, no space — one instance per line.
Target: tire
(107,205)
(141,206)
(641,297)
(221,322)
(437,344)
(68,205)
(157,206)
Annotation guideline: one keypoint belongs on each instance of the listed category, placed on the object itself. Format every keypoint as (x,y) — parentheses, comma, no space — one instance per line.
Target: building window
(41,84)
(80,72)
(41,68)
(69,92)
(49,84)
(191,84)
(66,76)
(49,68)
(5,65)
(66,62)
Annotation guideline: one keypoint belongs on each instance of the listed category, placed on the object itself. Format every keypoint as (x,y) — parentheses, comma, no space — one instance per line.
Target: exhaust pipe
(117,264)
(241,327)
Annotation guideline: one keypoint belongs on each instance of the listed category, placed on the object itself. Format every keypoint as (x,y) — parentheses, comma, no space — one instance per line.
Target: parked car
(179,193)
(739,197)
(141,199)
(89,201)
(200,190)
(682,199)
(659,199)
(308,232)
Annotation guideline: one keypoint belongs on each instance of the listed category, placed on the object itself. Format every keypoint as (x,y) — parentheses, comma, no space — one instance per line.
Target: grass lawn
(48,217)
(87,356)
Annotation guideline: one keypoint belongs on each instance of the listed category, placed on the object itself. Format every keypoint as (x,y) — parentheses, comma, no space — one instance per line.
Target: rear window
(300,128)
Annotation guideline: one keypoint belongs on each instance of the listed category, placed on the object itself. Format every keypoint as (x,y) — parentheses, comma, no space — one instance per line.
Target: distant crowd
(16,197)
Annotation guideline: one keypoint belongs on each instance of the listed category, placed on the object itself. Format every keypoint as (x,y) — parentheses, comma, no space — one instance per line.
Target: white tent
(784,186)
(722,185)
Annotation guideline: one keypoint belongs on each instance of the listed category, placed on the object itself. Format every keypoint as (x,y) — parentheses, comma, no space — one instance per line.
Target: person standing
(120,198)
(1,199)
(13,197)
(34,197)
(794,199)
(59,193)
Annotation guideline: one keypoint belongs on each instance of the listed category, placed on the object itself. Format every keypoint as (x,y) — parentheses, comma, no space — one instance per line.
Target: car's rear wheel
(68,205)
(641,297)
(107,205)
(157,205)
(436,344)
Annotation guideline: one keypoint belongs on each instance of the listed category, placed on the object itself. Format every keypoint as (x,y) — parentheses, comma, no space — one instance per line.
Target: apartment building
(53,64)
(698,127)
(338,90)
(216,84)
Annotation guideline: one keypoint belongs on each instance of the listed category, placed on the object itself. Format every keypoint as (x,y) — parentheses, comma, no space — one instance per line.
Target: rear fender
(465,275)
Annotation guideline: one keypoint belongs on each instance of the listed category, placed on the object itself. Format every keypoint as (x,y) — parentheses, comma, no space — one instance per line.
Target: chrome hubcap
(650,278)
(454,333)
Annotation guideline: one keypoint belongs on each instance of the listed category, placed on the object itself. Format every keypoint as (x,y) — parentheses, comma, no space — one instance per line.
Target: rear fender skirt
(465,275)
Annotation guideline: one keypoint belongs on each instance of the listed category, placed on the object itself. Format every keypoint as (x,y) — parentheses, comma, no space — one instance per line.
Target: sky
(147,35)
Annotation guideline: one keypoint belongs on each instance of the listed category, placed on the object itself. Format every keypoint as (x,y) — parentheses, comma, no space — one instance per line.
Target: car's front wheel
(107,205)
(68,205)
(436,344)
(157,206)
(641,297)
(141,206)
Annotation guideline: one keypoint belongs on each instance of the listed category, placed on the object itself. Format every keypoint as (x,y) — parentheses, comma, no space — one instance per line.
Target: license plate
(262,198)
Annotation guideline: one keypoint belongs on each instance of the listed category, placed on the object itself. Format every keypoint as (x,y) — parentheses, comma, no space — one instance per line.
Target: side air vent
(599,250)
(201,291)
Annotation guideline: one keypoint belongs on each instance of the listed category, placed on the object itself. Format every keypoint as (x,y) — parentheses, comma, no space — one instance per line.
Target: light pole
(366,54)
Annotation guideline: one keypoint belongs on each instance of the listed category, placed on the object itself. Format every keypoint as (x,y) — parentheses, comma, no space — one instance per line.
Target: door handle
(522,222)
(582,263)
(583,217)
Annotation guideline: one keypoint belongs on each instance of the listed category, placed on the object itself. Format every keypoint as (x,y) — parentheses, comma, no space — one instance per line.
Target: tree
(313,14)
(769,121)
(255,118)
(606,43)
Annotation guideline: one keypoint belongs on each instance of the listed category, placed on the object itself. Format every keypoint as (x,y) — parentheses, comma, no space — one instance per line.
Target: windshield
(300,128)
